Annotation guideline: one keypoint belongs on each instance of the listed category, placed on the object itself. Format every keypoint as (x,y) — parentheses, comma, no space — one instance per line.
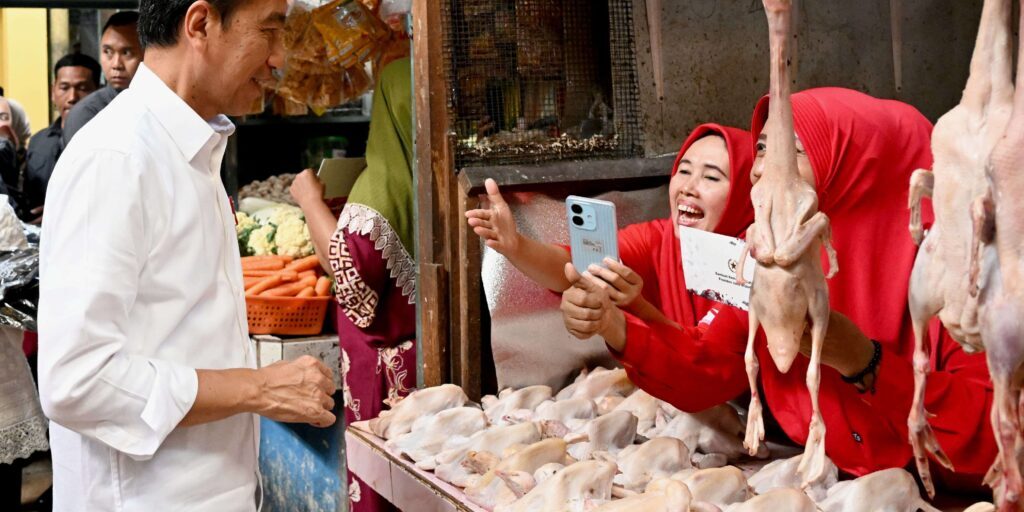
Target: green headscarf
(381,201)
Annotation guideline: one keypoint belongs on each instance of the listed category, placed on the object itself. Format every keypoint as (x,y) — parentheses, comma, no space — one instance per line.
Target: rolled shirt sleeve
(95,377)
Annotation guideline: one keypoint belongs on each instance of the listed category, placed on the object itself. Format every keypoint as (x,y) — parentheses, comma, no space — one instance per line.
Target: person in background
(146,369)
(75,77)
(9,144)
(120,56)
(20,123)
(369,250)
(13,141)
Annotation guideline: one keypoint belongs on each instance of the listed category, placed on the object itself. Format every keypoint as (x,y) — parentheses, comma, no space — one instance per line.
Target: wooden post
(434,172)
(469,336)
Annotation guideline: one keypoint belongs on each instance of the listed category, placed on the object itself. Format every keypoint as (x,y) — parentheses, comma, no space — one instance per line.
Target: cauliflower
(285,214)
(261,240)
(244,223)
(277,214)
(278,229)
(244,226)
(292,238)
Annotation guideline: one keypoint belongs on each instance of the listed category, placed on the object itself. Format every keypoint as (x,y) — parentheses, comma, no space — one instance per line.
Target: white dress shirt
(141,284)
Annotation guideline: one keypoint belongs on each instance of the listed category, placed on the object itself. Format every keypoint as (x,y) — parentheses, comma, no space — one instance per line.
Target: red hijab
(652,249)
(863,151)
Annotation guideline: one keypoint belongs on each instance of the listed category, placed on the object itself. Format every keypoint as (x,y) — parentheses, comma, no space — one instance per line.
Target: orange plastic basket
(286,315)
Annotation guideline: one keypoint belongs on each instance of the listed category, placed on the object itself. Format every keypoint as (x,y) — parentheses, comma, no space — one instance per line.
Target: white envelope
(710,261)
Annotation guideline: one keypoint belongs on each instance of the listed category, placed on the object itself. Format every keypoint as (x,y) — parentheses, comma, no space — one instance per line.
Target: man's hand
(495,224)
(587,310)
(622,284)
(37,215)
(307,188)
(297,391)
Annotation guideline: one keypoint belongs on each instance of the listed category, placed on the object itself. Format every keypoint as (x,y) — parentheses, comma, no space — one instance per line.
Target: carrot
(303,264)
(290,289)
(323,287)
(308,273)
(286,275)
(269,257)
(264,285)
(249,281)
(274,264)
(307,292)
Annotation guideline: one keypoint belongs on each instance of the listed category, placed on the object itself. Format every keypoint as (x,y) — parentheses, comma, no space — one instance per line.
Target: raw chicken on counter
(560,455)
(790,500)
(783,474)
(424,402)
(660,457)
(450,467)
(890,490)
(445,430)
(571,489)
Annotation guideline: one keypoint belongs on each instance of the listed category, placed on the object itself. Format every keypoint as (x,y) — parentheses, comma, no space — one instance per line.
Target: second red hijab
(863,151)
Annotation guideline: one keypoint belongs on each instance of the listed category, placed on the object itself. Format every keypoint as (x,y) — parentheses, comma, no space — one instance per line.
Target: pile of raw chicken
(602,445)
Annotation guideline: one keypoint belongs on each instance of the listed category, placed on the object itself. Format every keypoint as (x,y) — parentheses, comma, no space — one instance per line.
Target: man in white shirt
(145,366)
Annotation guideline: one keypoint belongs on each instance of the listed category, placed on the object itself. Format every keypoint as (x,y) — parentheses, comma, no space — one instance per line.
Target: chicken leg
(789,289)
(962,142)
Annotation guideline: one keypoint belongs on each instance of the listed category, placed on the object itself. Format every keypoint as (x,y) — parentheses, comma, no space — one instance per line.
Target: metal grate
(541,80)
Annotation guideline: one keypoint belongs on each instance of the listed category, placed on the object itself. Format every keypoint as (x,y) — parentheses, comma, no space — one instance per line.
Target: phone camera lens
(577,209)
(577,220)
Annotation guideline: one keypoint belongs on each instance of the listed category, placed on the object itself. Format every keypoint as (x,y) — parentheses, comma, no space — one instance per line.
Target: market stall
(487,113)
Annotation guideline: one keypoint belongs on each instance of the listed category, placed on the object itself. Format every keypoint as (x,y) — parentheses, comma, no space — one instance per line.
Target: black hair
(121,19)
(160,20)
(79,60)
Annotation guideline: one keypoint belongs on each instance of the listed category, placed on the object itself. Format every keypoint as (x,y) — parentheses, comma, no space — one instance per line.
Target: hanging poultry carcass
(962,142)
(789,289)
(997,268)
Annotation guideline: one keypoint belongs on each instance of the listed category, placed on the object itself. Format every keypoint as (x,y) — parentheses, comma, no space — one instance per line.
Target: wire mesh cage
(541,80)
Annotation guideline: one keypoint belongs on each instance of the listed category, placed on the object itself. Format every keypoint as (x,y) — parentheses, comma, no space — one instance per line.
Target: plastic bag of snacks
(327,47)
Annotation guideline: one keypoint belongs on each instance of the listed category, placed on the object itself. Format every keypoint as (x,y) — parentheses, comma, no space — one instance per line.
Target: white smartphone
(593,231)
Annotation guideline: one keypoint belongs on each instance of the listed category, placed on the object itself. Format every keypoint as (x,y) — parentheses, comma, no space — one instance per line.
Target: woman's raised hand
(495,224)
(622,284)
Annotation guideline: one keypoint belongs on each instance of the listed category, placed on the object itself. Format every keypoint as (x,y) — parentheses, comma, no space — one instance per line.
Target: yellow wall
(24,64)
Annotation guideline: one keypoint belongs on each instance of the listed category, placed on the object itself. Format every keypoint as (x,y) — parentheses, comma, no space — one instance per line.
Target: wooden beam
(470,338)
(434,170)
(432,358)
(471,179)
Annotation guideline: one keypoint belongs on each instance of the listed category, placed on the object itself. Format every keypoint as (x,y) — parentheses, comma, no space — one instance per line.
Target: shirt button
(856,437)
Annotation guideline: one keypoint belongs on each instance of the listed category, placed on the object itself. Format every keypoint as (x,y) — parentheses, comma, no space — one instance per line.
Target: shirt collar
(56,129)
(189,131)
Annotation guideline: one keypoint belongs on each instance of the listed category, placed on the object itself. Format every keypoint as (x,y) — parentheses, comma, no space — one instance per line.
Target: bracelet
(871,369)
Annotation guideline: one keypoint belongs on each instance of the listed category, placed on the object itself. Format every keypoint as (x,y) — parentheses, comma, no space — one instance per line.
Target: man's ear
(199,19)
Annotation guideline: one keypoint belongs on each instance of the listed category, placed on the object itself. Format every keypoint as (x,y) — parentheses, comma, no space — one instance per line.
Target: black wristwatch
(870,369)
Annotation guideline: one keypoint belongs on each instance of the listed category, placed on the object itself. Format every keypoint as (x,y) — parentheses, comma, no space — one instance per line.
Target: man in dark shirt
(75,76)
(120,56)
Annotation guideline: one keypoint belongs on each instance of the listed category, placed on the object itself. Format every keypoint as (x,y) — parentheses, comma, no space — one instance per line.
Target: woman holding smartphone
(709,190)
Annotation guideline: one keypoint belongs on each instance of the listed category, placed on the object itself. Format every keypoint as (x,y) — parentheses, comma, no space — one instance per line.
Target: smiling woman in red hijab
(859,152)
(709,190)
